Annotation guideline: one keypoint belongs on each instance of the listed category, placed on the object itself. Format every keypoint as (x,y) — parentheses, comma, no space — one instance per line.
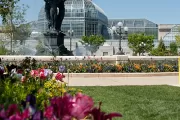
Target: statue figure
(55,11)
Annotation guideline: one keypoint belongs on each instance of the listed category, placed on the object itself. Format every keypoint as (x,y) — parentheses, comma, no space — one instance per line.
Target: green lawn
(139,102)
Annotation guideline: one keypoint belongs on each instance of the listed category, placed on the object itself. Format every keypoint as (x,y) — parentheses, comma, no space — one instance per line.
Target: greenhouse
(82,16)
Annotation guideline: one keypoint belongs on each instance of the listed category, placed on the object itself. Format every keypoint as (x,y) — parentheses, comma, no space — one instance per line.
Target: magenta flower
(12,113)
(49,112)
(68,107)
(59,76)
(34,73)
(81,105)
(98,115)
(12,109)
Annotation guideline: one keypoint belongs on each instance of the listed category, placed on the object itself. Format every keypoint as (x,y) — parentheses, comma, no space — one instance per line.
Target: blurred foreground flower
(99,115)
(66,107)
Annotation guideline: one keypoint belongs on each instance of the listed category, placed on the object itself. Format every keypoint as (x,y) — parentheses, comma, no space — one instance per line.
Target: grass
(139,102)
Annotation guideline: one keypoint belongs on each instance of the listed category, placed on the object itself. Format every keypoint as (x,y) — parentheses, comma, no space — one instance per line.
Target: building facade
(82,16)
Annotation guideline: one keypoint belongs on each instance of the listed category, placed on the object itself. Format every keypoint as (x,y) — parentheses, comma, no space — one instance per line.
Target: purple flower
(1,70)
(61,69)
(38,116)
(31,99)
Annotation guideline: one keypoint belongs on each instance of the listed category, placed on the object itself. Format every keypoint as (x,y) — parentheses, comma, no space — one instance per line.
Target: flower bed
(98,66)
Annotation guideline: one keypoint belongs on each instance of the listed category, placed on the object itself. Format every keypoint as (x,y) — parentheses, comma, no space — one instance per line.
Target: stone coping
(80,75)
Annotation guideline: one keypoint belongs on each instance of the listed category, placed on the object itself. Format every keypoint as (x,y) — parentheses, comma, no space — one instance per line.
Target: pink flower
(42,75)
(34,73)
(19,71)
(81,105)
(15,117)
(48,113)
(12,109)
(25,114)
(3,114)
(23,79)
(67,107)
(99,115)
(59,76)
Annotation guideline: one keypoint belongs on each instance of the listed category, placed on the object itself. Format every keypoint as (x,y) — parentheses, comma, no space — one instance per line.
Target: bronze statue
(55,11)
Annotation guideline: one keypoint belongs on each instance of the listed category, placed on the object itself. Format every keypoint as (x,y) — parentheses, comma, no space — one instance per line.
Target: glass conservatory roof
(133,22)
(171,36)
(80,6)
(99,9)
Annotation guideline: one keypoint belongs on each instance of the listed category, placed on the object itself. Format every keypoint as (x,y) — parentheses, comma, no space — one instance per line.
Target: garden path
(121,81)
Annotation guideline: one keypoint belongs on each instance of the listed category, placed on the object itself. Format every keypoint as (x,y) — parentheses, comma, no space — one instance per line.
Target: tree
(161,46)
(134,41)
(173,48)
(12,19)
(177,37)
(22,32)
(160,50)
(3,50)
(6,8)
(92,42)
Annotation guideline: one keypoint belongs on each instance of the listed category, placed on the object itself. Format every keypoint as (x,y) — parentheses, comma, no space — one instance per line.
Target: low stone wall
(85,75)
(114,59)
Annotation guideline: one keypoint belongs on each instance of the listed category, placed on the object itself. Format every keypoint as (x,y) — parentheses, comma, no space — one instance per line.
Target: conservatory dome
(83,16)
(171,36)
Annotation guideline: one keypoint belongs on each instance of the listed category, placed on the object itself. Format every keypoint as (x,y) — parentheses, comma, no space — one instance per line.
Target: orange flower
(119,68)
(137,66)
(80,66)
(99,68)
(152,66)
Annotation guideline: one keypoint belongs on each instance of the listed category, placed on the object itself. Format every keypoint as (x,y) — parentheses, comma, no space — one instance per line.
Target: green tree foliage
(161,46)
(22,32)
(3,50)
(162,51)
(177,40)
(6,8)
(13,21)
(134,41)
(92,42)
(177,37)
(173,48)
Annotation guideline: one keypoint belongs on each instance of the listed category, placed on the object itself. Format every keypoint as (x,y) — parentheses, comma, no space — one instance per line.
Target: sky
(157,11)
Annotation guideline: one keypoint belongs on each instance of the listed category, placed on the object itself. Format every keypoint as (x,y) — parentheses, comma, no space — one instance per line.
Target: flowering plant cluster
(66,107)
(47,97)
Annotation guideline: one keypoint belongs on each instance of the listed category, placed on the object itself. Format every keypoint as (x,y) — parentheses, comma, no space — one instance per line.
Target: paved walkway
(119,81)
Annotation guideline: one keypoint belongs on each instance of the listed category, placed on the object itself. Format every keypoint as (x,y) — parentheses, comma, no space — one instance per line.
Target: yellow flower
(79,90)
(63,90)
